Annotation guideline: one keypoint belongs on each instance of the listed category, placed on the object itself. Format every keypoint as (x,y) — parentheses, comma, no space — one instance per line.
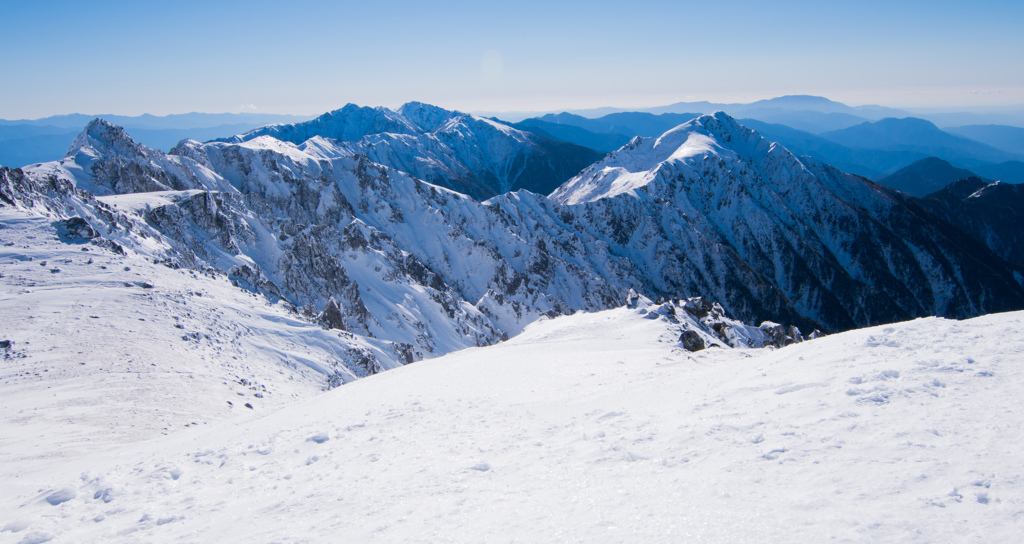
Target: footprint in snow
(105,494)
(36,538)
(60,496)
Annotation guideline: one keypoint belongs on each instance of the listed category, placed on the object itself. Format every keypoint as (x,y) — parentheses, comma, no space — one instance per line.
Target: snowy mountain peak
(105,138)
(633,165)
(685,147)
(472,155)
(721,121)
(104,160)
(426,117)
(348,124)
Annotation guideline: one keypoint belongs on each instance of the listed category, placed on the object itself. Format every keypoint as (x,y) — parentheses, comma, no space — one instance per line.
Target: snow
(636,164)
(696,144)
(141,402)
(88,327)
(473,154)
(137,202)
(592,427)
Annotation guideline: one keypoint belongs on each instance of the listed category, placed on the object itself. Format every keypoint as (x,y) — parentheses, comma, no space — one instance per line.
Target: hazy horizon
(1016,108)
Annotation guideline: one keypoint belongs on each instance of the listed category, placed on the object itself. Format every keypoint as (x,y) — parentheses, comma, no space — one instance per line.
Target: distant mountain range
(1009,139)
(810,112)
(806,112)
(872,149)
(926,176)
(32,141)
(871,141)
(338,221)
(178,121)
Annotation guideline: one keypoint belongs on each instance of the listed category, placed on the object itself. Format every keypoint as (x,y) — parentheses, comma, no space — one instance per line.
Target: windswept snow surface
(106,348)
(585,428)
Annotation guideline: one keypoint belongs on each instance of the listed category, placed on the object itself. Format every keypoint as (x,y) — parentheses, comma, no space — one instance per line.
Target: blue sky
(175,57)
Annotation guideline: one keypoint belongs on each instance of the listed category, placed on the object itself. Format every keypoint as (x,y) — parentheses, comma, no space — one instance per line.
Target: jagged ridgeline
(469,154)
(366,219)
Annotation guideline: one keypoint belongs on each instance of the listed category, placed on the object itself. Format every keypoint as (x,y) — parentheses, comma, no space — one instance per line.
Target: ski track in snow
(586,428)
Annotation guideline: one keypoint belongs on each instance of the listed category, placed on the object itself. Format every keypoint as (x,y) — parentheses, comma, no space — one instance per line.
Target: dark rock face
(191,222)
(252,279)
(691,341)
(331,317)
(992,214)
(18,189)
(698,307)
(714,321)
(777,334)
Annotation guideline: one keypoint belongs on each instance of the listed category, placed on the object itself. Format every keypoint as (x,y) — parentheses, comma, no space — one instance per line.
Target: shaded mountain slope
(992,213)
(841,249)
(470,154)
(918,135)
(925,177)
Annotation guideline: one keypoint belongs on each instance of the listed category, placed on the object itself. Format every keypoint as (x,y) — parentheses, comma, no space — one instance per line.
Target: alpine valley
(269,266)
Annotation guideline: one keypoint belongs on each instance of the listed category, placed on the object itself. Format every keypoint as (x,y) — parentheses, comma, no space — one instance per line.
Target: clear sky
(309,57)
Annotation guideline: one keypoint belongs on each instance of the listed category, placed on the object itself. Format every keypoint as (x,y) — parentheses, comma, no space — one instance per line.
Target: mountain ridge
(473,155)
(318,224)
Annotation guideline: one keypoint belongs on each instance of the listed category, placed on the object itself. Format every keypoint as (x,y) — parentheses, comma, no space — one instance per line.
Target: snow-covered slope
(592,427)
(473,155)
(105,347)
(843,251)
(51,216)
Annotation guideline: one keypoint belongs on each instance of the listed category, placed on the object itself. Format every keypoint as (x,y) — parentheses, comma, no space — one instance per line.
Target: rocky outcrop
(75,229)
(691,340)
(117,165)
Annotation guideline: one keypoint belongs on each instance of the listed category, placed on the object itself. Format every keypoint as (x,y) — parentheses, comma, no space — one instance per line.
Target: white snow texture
(213,345)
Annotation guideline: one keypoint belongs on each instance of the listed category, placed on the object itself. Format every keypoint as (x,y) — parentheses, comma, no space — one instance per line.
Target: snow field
(591,428)
(108,349)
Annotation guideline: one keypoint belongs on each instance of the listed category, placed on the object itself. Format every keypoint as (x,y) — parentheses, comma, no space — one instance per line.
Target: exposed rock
(75,229)
(331,317)
(776,334)
(691,341)
(632,298)
(698,307)
(252,278)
